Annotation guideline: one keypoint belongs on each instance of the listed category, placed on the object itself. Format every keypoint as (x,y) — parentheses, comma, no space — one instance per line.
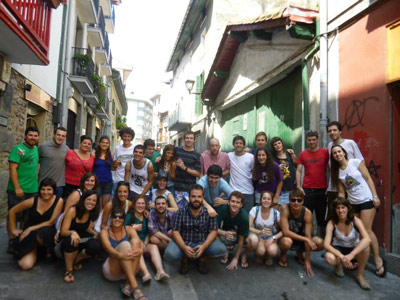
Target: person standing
(241,172)
(152,154)
(52,159)
(315,161)
(188,168)
(261,141)
(213,156)
(102,169)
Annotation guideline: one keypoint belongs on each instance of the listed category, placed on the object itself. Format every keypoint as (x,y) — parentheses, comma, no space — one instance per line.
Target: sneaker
(184,268)
(201,267)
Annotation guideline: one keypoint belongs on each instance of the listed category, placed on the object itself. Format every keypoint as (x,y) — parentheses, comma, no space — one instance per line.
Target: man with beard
(194,234)
(213,156)
(52,159)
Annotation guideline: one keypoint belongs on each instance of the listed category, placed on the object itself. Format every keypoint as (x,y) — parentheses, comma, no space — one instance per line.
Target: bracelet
(186,169)
(376,196)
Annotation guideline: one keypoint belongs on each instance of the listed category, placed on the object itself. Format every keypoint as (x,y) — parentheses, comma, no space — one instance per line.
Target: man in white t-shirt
(334,130)
(123,153)
(241,172)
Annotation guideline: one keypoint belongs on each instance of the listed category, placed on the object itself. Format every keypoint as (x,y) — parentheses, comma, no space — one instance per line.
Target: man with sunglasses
(296,224)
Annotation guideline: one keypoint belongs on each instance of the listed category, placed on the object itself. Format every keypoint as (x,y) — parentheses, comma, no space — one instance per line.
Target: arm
(12,217)
(299,169)
(285,226)
(292,156)
(364,172)
(189,251)
(278,192)
(364,242)
(150,171)
(212,235)
(172,203)
(251,228)
(127,171)
(162,236)
(106,215)
(12,168)
(341,189)
(233,263)
(91,230)
(65,232)
(328,240)
(172,171)
(211,211)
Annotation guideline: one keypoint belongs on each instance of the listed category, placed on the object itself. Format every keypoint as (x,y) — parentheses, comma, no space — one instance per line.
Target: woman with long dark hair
(352,176)
(167,166)
(267,175)
(346,239)
(102,168)
(79,240)
(38,229)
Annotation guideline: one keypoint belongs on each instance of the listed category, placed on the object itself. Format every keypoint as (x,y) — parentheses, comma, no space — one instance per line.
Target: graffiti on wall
(355,112)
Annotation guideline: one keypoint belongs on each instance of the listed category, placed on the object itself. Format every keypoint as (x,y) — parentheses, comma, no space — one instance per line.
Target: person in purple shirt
(267,175)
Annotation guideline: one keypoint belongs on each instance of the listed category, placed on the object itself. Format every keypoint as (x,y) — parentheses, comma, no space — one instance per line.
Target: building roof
(230,43)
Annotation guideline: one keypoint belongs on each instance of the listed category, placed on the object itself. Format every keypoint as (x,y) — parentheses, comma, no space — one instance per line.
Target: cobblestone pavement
(45,281)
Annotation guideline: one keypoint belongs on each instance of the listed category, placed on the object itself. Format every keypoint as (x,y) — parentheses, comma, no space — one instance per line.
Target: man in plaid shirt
(194,234)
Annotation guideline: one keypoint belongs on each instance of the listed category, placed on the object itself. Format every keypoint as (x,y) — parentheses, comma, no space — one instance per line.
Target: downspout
(323,71)
(304,78)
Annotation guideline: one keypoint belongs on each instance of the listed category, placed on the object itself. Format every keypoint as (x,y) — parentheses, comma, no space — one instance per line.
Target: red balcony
(25,30)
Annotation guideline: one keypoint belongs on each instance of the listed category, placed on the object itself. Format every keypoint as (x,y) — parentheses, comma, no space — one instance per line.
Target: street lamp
(189,86)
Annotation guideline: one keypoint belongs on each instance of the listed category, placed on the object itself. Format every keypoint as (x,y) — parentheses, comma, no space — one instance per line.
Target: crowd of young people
(187,206)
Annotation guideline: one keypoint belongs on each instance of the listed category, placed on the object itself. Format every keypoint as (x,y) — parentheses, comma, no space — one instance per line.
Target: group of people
(137,202)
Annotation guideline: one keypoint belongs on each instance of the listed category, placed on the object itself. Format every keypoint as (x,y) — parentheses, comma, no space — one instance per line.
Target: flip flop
(339,272)
(225,259)
(126,290)
(146,279)
(161,277)
(269,261)
(384,269)
(299,260)
(77,266)
(363,284)
(244,265)
(282,263)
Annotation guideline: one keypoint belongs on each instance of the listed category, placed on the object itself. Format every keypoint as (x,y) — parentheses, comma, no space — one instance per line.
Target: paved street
(45,281)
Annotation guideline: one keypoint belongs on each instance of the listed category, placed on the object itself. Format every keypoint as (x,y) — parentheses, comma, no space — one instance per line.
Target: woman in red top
(77,163)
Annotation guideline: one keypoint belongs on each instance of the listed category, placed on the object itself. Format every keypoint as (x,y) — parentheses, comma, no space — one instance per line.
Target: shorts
(284,198)
(298,246)
(343,250)
(357,208)
(133,194)
(105,188)
(107,273)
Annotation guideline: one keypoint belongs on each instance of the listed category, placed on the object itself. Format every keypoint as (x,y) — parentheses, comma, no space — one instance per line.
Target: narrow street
(45,281)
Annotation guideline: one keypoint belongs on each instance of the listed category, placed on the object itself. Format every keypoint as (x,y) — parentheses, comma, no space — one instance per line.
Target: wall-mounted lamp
(189,86)
(28,87)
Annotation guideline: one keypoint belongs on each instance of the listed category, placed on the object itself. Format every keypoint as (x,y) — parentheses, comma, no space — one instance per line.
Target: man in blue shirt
(214,185)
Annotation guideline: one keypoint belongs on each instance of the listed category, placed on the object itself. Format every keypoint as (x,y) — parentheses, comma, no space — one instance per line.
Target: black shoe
(201,267)
(11,246)
(184,268)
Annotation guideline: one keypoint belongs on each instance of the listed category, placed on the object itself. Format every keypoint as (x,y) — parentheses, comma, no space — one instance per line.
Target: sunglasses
(299,200)
(118,217)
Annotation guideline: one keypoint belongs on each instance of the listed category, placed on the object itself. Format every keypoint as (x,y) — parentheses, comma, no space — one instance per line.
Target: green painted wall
(276,110)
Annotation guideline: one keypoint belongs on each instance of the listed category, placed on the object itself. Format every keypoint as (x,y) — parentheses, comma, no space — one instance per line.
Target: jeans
(248,202)
(315,199)
(173,252)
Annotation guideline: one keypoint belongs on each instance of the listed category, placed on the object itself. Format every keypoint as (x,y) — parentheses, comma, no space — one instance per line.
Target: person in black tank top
(296,224)
(78,236)
(124,250)
(38,229)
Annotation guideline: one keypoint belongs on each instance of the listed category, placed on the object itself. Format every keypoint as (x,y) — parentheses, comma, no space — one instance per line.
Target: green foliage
(83,60)
(99,87)
(120,122)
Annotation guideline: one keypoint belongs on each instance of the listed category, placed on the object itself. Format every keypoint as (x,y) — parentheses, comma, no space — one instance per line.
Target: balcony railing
(30,20)
(102,22)
(83,64)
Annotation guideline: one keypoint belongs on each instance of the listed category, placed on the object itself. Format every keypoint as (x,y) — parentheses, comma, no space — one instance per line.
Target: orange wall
(364,103)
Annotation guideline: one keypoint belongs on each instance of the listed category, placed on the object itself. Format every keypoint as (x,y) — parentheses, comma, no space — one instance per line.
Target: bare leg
(271,251)
(156,258)
(28,261)
(143,269)
(260,250)
(251,245)
(104,200)
(69,259)
(362,259)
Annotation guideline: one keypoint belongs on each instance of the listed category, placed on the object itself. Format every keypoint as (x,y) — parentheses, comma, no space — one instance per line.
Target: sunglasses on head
(121,217)
(299,200)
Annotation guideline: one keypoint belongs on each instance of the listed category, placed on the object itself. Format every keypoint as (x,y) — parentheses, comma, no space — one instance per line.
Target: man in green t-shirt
(23,167)
(233,227)
(151,153)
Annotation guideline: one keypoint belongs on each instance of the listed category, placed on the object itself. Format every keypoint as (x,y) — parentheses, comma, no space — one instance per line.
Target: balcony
(82,72)
(87,10)
(101,109)
(25,31)
(96,32)
(101,54)
(110,21)
(180,118)
(107,7)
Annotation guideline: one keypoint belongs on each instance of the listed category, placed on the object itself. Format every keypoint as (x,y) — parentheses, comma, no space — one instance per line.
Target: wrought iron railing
(82,63)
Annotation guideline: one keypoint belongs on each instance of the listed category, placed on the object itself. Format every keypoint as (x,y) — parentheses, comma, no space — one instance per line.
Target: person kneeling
(342,241)
(296,224)
(194,234)
(124,249)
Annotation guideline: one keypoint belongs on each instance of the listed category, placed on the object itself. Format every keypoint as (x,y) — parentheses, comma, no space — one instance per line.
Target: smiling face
(161,205)
(59,137)
(238,145)
(278,146)
(196,198)
(104,144)
(123,193)
(31,138)
(162,183)
(117,220)
(150,150)
(341,211)
(90,202)
(235,204)
(140,205)
(189,140)
(262,157)
(296,203)
(261,141)
(312,142)
(126,139)
(334,133)
(138,154)
(214,147)
(338,154)
(266,200)
(85,145)
(90,183)
(213,180)
(46,192)
(169,155)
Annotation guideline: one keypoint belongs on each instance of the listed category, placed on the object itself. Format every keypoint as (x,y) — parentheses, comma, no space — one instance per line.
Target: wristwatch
(274,238)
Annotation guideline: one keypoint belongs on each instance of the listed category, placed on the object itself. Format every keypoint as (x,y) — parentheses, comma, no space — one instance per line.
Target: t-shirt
(239,223)
(75,168)
(288,171)
(52,162)
(260,223)
(352,152)
(155,166)
(184,180)
(241,176)
(207,161)
(27,160)
(124,155)
(315,164)
(269,184)
(210,193)
(357,188)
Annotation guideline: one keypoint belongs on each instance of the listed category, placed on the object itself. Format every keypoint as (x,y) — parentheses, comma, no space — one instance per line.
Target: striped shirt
(194,230)
(183,179)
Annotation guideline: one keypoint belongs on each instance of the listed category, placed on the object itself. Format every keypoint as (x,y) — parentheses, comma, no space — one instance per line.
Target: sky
(144,38)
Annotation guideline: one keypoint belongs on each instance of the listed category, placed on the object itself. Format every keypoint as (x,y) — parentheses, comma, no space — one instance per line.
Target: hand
(15,233)
(137,227)
(75,239)
(157,160)
(199,249)
(275,201)
(346,260)
(151,205)
(19,192)
(266,231)
(290,151)
(211,212)
(189,251)
(312,244)
(127,255)
(181,164)
(56,236)
(219,201)
(376,202)
(117,163)
(25,233)
(146,213)
(230,235)
(308,268)
(301,189)
(169,233)
(247,149)
(233,264)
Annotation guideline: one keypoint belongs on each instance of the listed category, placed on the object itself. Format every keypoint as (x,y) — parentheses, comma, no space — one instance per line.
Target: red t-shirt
(315,164)
(76,168)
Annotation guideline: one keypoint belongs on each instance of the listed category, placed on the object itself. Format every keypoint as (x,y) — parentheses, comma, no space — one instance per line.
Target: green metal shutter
(198,110)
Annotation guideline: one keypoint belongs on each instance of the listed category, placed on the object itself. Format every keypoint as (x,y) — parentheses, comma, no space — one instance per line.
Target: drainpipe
(323,71)
(304,77)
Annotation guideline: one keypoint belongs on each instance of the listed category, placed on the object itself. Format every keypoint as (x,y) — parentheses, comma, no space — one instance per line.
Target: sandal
(363,284)
(146,279)
(68,276)
(282,263)
(224,260)
(269,261)
(126,289)
(339,271)
(383,265)
(77,266)
(161,277)
(138,295)
(244,264)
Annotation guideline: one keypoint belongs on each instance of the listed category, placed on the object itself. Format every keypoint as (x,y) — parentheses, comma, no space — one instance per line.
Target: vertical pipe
(323,73)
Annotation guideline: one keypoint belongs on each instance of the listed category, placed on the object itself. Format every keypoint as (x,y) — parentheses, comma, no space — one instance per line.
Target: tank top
(80,228)
(297,225)
(154,195)
(34,217)
(115,243)
(103,170)
(348,241)
(139,178)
